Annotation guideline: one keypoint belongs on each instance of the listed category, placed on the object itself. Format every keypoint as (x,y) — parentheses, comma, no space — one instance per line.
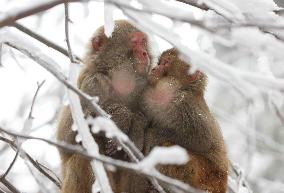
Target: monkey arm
(97,84)
(65,134)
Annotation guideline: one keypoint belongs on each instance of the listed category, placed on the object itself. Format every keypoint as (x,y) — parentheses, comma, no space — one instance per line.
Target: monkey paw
(112,148)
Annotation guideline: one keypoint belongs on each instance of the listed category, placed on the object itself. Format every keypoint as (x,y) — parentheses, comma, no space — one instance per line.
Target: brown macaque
(115,69)
(174,103)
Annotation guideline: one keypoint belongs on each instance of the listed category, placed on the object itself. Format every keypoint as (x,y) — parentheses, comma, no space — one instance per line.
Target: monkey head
(124,57)
(171,66)
(126,48)
(171,76)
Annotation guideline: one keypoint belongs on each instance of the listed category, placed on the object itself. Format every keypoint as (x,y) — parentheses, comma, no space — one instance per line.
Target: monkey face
(127,47)
(137,43)
(170,65)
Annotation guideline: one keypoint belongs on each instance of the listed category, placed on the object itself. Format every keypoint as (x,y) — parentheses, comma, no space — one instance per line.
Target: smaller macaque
(174,102)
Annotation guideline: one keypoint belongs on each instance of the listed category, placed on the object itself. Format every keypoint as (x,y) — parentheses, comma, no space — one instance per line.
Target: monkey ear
(98,42)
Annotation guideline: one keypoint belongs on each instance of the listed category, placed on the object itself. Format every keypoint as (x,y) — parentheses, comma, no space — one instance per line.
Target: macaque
(115,69)
(174,102)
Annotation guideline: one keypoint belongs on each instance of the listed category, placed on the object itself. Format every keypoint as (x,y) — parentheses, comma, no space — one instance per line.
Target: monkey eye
(137,38)
(165,62)
(195,76)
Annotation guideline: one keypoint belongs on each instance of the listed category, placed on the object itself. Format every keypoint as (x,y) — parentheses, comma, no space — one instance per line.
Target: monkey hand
(112,148)
(137,129)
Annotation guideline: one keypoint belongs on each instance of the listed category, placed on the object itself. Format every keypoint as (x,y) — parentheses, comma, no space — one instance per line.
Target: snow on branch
(205,62)
(83,130)
(78,115)
(108,127)
(69,148)
(164,156)
(9,38)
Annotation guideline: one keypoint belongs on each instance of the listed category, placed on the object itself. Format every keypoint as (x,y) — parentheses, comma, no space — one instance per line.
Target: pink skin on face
(123,83)
(138,44)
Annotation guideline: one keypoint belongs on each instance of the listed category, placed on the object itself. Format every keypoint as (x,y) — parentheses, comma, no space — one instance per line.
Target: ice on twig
(164,155)
(108,17)
(106,125)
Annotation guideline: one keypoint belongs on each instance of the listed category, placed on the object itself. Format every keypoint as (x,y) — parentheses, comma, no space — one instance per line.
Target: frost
(255,6)
(78,138)
(226,8)
(74,127)
(108,17)
(164,155)
(257,41)
(106,125)
(96,187)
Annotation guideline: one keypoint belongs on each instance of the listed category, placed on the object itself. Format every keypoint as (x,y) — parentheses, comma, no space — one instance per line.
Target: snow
(254,58)
(164,155)
(255,6)
(108,18)
(108,127)
(83,130)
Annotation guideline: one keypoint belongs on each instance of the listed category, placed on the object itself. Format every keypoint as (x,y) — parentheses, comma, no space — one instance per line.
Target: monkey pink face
(170,66)
(138,45)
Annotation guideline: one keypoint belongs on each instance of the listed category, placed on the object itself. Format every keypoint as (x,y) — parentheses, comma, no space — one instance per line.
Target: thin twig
(43,40)
(10,186)
(278,113)
(1,52)
(11,165)
(195,3)
(88,141)
(61,77)
(39,85)
(11,18)
(19,144)
(70,54)
(36,164)
(43,188)
(107,160)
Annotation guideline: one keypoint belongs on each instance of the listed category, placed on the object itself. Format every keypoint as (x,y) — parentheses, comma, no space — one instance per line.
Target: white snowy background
(244,100)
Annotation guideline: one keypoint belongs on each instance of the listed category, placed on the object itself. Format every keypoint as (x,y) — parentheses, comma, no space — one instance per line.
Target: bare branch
(278,113)
(11,165)
(61,77)
(88,141)
(43,40)
(195,3)
(39,85)
(107,160)
(12,188)
(36,164)
(12,17)
(1,52)
(70,54)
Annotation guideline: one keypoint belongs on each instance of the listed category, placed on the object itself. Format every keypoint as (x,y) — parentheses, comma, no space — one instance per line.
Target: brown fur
(106,58)
(174,101)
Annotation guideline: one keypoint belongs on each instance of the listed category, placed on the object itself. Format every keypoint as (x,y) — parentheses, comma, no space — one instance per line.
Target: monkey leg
(65,134)
(209,176)
(78,175)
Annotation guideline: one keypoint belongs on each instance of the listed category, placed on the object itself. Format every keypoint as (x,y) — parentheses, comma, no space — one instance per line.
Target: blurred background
(252,121)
